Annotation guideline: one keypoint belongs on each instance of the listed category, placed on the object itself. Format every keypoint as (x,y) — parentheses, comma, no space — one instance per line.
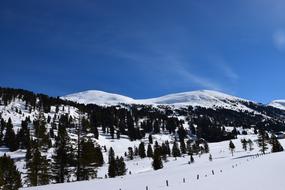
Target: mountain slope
(203,98)
(98,97)
(280,104)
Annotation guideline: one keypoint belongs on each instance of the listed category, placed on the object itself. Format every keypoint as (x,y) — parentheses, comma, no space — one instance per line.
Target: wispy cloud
(172,66)
(279,40)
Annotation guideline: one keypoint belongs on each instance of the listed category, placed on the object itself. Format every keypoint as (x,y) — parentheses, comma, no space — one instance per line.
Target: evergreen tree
(232,147)
(112,169)
(23,136)
(191,159)
(121,166)
(2,127)
(150,139)
(130,153)
(142,150)
(175,150)
(99,159)
(10,139)
(63,157)
(250,144)
(262,140)
(276,146)
(37,168)
(244,144)
(149,151)
(10,177)
(87,161)
(111,155)
(182,147)
(157,162)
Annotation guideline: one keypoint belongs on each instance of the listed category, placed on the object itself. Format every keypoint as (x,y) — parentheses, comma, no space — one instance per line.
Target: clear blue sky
(144,48)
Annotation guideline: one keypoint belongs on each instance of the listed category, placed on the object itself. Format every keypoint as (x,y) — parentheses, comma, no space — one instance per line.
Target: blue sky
(144,48)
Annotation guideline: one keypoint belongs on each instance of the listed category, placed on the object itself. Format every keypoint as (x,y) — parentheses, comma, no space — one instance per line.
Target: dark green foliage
(175,150)
(232,147)
(276,146)
(149,151)
(157,162)
(38,170)
(87,161)
(62,157)
(150,139)
(182,147)
(111,155)
(10,139)
(262,140)
(23,136)
(121,166)
(191,159)
(244,144)
(10,178)
(142,150)
(130,153)
(112,169)
(250,144)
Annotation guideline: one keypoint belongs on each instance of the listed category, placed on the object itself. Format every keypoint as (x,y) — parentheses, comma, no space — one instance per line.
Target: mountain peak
(202,98)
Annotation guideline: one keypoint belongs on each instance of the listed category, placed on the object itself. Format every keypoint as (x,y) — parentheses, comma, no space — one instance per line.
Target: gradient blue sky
(144,48)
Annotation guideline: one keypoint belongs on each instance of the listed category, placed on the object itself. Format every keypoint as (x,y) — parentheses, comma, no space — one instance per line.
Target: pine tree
(23,136)
(87,161)
(150,139)
(99,159)
(191,159)
(244,144)
(10,139)
(111,155)
(175,150)
(276,146)
(250,144)
(149,151)
(142,150)
(262,140)
(121,166)
(130,153)
(232,147)
(183,147)
(37,167)
(10,177)
(112,169)
(157,162)
(62,157)
(2,127)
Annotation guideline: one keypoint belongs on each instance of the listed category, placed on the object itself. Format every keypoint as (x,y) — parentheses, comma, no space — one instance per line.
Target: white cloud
(279,40)
(172,67)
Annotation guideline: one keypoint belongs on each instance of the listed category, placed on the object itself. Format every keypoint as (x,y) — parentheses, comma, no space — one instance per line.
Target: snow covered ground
(244,170)
(280,104)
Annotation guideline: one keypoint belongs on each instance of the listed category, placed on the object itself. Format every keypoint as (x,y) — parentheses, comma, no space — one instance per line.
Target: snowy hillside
(280,104)
(244,170)
(98,97)
(202,98)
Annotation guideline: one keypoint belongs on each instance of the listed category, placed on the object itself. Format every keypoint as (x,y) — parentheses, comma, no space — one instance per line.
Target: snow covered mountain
(98,97)
(202,98)
(280,104)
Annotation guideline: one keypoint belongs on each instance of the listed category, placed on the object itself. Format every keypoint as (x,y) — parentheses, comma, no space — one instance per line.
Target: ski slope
(244,170)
